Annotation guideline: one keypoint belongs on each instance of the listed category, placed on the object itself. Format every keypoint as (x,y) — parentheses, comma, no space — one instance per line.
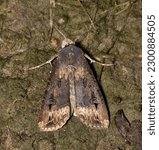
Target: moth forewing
(72,90)
(55,109)
(90,105)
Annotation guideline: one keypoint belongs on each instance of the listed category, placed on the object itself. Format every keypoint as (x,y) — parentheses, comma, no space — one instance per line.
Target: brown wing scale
(56,106)
(90,108)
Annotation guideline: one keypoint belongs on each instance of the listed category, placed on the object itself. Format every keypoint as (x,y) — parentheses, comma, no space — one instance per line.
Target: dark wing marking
(56,106)
(90,105)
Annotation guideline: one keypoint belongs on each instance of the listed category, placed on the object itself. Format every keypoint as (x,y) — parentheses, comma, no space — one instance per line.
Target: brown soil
(110,29)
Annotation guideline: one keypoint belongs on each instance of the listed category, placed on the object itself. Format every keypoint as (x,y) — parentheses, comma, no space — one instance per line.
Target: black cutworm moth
(72,90)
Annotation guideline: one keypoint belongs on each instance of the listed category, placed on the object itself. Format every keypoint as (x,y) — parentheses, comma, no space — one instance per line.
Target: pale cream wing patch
(92,117)
(53,119)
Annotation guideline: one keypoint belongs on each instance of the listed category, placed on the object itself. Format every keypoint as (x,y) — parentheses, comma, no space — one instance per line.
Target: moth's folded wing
(90,108)
(56,107)
(52,120)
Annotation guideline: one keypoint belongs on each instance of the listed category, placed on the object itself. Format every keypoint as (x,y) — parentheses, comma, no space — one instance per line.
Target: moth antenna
(52,4)
(59,31)
(90,19)
(52,25)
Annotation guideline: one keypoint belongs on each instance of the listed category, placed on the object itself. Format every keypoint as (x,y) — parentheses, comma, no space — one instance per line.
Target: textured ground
(110,29)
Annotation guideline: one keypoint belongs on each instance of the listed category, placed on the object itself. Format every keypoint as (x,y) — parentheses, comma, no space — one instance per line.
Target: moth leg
(95,61)
(47,62)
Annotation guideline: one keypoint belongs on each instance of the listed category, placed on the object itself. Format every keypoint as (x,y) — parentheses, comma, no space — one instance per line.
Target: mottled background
(109,29)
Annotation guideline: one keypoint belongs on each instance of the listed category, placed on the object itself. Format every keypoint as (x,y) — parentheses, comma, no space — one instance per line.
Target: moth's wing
(90,105)
(55,110)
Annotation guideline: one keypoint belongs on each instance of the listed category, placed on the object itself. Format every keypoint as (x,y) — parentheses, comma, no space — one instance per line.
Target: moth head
(67,42)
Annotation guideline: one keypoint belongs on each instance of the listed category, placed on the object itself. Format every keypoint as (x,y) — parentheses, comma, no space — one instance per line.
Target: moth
(72,91)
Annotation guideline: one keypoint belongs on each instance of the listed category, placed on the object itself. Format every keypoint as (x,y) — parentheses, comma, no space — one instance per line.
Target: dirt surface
(132,132)
(104,29)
